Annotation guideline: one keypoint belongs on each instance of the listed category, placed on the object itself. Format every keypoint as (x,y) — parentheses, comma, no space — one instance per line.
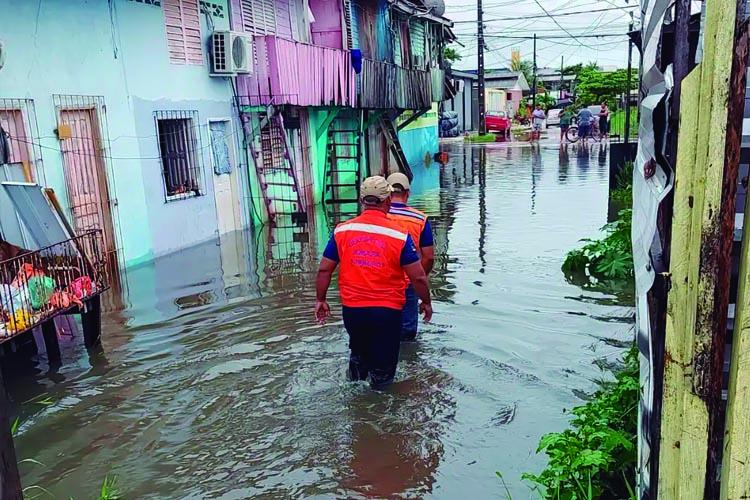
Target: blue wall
(419,145)
(79,47)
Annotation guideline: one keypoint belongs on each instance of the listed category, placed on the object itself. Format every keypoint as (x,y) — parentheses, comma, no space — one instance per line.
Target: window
(20,136)
(182,20)
(178,136)
(259,17)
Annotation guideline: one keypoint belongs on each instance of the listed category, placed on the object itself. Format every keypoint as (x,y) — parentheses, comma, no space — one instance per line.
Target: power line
(88,153)
(559,25)
(537,16)
(556,37)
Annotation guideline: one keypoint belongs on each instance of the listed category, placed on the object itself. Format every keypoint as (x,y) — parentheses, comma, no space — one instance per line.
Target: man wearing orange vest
(417,225)
(373,253)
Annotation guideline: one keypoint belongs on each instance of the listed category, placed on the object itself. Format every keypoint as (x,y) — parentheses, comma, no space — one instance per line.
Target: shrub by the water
(596,456)
(610,256)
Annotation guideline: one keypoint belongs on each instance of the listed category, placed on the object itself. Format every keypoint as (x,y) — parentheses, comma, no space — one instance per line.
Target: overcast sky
(509,18)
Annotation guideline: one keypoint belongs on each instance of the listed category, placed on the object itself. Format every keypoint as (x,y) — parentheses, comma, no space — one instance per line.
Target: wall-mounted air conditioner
(231,53)
(417,61)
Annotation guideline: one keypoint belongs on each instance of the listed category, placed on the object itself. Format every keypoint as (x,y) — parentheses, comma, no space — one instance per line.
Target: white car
(553,117)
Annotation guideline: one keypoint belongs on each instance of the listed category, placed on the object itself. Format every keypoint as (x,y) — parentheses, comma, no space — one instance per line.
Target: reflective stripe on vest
(371,228)
(370,273)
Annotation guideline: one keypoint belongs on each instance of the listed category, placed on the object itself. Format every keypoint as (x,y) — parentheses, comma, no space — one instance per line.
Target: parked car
(595,110)
(553,117)
(497,121)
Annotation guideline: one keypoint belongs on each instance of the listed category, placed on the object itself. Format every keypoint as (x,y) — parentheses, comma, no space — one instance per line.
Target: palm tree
(524,66)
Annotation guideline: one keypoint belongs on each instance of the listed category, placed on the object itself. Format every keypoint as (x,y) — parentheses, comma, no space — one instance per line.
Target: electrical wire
(537,16)
(560,25)
(95,155)
(555,37)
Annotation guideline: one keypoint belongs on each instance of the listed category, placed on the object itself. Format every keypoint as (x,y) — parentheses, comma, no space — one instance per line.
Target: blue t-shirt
(408,253)
(584,116)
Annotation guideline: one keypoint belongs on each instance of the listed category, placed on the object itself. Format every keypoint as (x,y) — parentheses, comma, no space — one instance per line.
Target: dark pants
(374,339)
(410,315)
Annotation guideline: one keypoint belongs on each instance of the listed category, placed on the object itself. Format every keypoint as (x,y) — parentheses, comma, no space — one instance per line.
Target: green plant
(595,87)
(508,496)
(608,257)
(481,138)
(450,54)
(623,193)
(546,100)
(596,456)
(624,178)
(110,489)
(526,67)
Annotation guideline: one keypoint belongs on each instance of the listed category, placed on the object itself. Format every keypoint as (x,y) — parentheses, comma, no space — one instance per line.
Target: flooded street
(214,381)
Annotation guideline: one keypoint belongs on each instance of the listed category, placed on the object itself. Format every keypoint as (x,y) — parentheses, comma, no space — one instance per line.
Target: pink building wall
(326,30)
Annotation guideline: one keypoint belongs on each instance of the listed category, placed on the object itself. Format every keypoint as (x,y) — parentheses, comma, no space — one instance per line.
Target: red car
(497,121)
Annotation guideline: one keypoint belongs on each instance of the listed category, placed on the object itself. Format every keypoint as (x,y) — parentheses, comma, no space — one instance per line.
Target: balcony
(386,86)
(289,72)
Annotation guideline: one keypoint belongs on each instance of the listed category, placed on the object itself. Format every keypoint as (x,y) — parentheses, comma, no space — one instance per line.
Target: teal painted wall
(419,145)
(79,47)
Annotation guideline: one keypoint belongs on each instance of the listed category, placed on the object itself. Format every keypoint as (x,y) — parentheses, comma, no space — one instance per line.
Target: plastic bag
(82,287)
(40,290)
(12,299)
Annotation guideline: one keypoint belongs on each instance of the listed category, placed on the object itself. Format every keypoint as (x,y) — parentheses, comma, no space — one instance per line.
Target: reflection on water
(214,382)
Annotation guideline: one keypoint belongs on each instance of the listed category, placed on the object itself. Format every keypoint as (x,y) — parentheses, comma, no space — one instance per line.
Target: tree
(577,69)
(526,67)
(595,87)
(546,100)
(451,55)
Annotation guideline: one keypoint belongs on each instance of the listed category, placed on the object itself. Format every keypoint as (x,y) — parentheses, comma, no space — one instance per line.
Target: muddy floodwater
(214,382)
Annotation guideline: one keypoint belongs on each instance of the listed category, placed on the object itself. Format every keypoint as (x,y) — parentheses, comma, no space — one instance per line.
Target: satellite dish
(437,6)
(2,54)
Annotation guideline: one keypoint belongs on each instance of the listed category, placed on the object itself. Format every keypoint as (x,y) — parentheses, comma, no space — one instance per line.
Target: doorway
(226,187)
(86,175)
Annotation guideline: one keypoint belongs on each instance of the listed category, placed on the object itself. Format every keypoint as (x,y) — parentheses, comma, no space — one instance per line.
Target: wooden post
(49,333)
(700,266)
(91,320)
(735,475)
(10,480)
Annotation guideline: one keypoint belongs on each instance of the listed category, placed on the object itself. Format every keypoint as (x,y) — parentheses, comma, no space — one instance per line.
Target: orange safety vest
(370,272)
(410,220)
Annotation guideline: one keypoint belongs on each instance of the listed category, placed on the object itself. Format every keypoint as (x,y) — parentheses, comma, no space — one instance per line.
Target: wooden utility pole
(10,480)
(480,70)
(533,90)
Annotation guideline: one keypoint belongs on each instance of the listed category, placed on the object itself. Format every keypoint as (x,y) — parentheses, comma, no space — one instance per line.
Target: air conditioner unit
(231,53)
(418,61)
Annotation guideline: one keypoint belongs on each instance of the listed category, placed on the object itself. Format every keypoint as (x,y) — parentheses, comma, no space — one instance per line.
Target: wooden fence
(300,74)
(388,86)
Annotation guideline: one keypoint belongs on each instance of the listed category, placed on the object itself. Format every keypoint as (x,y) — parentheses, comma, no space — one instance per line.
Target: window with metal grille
(20,136)
(183,24)
(179,150)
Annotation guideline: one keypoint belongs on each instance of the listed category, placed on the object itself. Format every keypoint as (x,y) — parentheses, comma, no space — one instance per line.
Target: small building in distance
(465,102)
(553,81)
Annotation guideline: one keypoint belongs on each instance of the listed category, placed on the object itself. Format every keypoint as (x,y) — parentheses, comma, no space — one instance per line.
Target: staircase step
(283,200)
(280,184)
(343,131)
(346,157)
(341,200)
(331,172)
(343,144)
